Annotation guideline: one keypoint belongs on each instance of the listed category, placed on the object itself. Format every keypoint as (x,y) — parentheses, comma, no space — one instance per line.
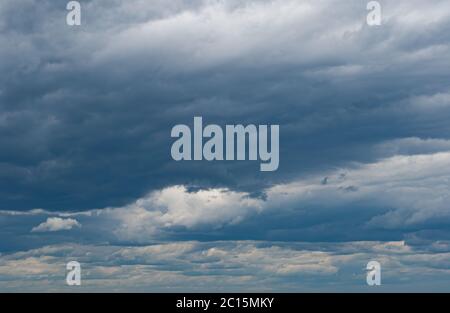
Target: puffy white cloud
(53,224)
(177,206)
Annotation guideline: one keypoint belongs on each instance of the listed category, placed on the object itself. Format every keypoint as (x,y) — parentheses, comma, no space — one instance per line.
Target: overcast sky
(85,165)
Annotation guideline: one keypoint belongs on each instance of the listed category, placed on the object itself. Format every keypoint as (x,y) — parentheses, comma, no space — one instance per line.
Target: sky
(86,172)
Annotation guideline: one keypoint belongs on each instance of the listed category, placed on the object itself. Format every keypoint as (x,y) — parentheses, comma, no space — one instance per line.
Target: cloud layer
(85,120)
(229,266)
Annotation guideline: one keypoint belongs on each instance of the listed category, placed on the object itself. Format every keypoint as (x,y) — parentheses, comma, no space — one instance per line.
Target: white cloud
(53,224)
(176,206)
(299,32)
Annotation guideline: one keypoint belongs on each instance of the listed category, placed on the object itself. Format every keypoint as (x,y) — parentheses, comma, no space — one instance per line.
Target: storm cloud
(86,114)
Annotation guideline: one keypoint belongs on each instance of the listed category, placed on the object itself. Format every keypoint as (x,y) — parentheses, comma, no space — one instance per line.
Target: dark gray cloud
(86,112)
